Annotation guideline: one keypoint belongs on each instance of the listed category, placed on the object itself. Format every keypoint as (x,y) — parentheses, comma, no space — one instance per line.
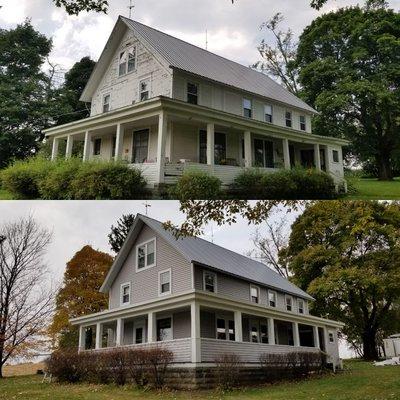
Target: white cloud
(12,12)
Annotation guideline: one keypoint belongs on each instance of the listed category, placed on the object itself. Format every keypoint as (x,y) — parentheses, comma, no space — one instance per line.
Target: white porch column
(119,333)
(296,338)
(238,327)
(68,149)
(87,146)
(98,335)
(162,137)
(327,163)
(82,338)
(210,144)
(316,337)
(317,157)
(54,151)
(119,142)
(286,154)
(195,332)
(169,142)
(248,152)
(151,327)
(271,331)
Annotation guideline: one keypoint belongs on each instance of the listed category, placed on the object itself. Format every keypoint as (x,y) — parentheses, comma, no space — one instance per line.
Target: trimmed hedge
(73,179)
(295,184)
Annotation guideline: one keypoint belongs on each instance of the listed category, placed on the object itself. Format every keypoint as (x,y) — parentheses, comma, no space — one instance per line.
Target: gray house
(164,105)
(200,301)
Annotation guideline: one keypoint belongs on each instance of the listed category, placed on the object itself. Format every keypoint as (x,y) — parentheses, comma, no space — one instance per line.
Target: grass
(359,381)
(372,189)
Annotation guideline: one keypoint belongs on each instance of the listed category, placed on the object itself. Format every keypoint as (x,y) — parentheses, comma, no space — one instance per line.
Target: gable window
(164,282)
(193,93)
(122,63)
(97,147)
(288,119)
(144,87)
(335,155)
(164,329)
(127,61)
(209,282)
(272,298)
(268,113)
(263,153)
(300,306)
(145,255)
(106,103)
(302,122)
(247,108)
(125,294)
(288,301)
(131,59)
(254,294)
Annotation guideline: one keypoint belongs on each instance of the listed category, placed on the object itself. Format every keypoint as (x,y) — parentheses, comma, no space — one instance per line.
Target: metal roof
(195,60)
(200,251)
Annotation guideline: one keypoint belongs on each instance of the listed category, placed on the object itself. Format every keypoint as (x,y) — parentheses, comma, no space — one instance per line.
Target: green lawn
(372,189)
(360,381)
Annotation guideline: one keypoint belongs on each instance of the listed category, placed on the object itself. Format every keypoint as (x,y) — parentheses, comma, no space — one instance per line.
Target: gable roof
(186,57)
(200,251)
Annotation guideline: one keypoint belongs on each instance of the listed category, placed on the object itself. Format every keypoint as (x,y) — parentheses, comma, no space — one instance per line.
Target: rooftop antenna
(147,206)
(131,7)
(212,234)
(206,39)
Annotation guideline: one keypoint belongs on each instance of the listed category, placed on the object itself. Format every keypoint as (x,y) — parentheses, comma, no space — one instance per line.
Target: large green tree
(349,65)
(347,255)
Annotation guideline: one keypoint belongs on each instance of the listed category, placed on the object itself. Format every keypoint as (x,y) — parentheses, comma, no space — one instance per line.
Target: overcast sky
(233,30)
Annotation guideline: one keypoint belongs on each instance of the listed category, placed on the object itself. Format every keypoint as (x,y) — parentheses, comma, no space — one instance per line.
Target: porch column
(248,153)
(316,337)
(87,146)
(68,149)
(98,335)
(119,333)
(169,142)
(81,338)
(271,331)
(210,144)
(296,338)
(238,327)
(286,154)
(317,157)
(54,151)
(151,327)
(195,332)
(327,163)
(119,142)
(162,136)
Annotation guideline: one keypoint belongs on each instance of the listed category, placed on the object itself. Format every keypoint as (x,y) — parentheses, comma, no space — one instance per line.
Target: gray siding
(181,325)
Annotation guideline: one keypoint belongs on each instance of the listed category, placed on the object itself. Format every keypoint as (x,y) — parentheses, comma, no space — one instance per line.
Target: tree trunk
(370,345)
(384,168)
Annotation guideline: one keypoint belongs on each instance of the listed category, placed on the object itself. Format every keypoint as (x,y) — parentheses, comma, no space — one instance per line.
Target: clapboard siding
(181,325)
(149,172)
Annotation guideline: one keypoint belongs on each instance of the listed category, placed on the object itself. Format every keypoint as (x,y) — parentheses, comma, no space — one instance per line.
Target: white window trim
(146,78)
(289,297)
(226,319)
(298,306)
(123,285)
(305,123)
(276,298)
(333,158)
(259,293)
(160,294)
(251,107)
(204,281)
(103,104)
(187,81)
(137,253)
(272,113)
(126,49)
(165,316)
(291,119)
(333,336)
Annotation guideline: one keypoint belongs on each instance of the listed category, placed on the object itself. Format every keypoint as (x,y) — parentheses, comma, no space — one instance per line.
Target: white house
(201,300)
(164,105)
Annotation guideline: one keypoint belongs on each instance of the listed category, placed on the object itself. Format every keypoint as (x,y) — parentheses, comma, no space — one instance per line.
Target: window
(221,330)
(97,147)
(225,328)
(144,90)
(331,337)
(288,300)
(231,330)
(263,153)
(288,119)
(122,63)
(220,148)
(254,294)
(132,59)
(302,122)
(127,61)
(193,93)
(139,335)
(140,146)
(106,103)
(247,108)
(258,331)
(164,329)
(268,113)
(114,146)
(300,306)
(164,282)
(272,298)
(335,155)
(145,255)
(209,282)
(125,293)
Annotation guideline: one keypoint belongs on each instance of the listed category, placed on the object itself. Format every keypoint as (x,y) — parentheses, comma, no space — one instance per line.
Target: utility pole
(130,7)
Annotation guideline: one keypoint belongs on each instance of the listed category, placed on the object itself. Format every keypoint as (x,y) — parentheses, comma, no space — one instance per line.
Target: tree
(26,300)
(119,233)
(349,69)
(79,295)
(347,255)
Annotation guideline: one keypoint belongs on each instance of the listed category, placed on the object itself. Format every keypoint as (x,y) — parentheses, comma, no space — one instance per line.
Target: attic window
(145,255)
(127,61)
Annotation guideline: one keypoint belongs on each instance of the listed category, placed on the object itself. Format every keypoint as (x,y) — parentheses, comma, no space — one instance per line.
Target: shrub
(137,366)
(158,360)
(196,185)
(117,366)
(227,370)
(66,366)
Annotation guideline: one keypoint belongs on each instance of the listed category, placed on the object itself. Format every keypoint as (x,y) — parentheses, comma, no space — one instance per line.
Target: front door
(307,158)
(321,338)
(138,336)
(140,148)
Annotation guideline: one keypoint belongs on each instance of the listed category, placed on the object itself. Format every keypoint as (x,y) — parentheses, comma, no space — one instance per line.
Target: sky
(233,30)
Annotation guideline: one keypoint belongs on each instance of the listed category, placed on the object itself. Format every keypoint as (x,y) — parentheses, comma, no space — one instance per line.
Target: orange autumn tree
(79,294)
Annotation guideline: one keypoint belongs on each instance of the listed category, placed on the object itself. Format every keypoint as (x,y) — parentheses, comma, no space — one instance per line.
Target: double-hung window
(144,88)
(300,306)
(331,337)
(97,147)
(272,298)
(247,108)
(288,119)
(303,122)
(209,282)
(289,301)
(146,255)
(268,113)
(193,93)
(164,282)
(125,294)
(106,103)
(335,156)
(254,294)
(127,61)
(164,329)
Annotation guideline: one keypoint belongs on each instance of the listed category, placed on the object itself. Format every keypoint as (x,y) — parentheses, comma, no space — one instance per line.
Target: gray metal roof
(195,60)
(209,254)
